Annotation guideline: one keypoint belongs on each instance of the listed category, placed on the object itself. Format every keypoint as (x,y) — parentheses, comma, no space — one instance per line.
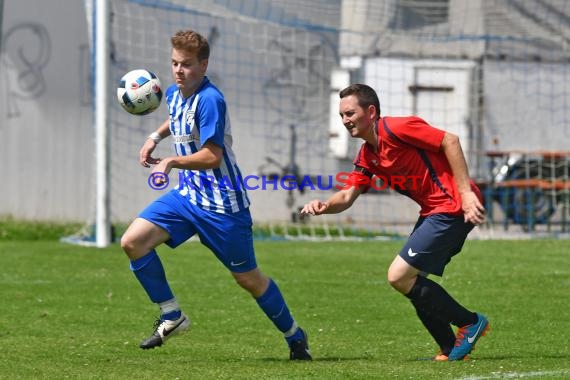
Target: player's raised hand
(145,158)
(315,207)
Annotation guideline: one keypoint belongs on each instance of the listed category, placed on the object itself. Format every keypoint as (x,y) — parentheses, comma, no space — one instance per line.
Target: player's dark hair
(191,41)
(365,94)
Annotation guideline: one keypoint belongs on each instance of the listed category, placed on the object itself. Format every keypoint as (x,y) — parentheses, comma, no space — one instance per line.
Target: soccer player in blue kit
(210,201)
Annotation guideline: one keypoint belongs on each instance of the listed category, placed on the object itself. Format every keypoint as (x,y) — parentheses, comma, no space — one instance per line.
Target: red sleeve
(417,132)
(360,177)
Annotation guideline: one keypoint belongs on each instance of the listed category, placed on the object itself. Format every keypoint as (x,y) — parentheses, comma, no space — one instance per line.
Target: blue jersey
(194,121)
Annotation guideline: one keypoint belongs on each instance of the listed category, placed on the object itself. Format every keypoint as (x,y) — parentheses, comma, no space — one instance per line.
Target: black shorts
(434,241)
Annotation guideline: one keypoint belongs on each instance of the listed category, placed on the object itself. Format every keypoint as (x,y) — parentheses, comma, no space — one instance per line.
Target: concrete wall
(273,76)
(45,115)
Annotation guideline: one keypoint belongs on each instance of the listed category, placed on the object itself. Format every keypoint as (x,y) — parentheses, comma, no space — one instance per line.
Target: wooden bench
(555,187)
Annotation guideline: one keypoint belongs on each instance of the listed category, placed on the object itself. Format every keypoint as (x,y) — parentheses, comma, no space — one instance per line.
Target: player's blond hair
(191,42)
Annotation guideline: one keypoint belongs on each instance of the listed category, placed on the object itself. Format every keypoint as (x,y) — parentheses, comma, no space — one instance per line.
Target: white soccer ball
(139,92)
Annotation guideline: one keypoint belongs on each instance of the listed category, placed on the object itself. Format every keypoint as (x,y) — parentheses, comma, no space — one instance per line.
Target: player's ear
(204,64)
(373,112)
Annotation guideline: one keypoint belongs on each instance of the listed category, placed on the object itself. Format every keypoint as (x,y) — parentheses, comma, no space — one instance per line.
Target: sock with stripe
(150,273)
(273,305)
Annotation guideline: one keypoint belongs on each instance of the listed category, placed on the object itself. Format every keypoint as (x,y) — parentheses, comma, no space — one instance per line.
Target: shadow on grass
(317,359)
(538,356)
(565,357)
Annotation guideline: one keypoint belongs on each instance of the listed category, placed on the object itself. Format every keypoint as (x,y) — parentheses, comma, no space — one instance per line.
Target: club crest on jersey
(190,117)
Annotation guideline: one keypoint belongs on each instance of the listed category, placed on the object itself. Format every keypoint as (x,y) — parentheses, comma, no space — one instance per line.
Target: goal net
(493,72)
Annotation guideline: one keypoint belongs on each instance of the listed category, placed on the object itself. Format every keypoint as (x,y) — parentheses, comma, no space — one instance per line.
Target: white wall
(444,99)
(45,118)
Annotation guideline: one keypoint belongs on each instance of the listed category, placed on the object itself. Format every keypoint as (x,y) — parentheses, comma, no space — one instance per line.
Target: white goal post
(101,36)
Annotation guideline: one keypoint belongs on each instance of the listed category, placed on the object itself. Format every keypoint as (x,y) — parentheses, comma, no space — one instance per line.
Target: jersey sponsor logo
(181,139)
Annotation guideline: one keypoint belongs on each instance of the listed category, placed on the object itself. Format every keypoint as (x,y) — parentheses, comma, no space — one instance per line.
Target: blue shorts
(229,236)
(434,241)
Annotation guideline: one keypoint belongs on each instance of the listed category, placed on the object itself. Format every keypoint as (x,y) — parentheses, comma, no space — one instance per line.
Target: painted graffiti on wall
(26,51)
(306,60)
(298,87)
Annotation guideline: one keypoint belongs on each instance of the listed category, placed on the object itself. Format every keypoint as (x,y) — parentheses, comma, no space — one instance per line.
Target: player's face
(187,71)
(356,119)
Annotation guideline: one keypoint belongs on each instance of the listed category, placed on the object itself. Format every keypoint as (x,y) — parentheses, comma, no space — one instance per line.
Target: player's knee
(248,283)
(254,282)
(393,279)
(128,244)
(399,282)
(393,276)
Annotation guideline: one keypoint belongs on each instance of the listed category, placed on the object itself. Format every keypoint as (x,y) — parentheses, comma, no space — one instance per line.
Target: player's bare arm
(149,145)
(473,209)
(337,203)
(209,157)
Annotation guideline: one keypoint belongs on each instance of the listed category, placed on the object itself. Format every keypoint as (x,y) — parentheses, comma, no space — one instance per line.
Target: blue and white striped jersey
(194,121)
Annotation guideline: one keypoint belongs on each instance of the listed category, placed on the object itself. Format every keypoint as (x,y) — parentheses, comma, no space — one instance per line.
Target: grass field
(73,312)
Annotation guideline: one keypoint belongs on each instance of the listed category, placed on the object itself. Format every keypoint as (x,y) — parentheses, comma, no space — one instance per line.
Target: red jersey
(410,160)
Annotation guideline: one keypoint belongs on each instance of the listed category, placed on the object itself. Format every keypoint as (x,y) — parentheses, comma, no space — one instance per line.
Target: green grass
(25,230)
(79,313)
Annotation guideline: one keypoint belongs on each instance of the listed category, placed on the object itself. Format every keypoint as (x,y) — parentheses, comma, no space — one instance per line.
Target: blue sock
(274,306)
(170,310)
(150,273)
(297,335)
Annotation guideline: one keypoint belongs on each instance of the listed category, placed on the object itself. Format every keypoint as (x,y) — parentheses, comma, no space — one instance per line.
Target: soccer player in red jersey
(432,170)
